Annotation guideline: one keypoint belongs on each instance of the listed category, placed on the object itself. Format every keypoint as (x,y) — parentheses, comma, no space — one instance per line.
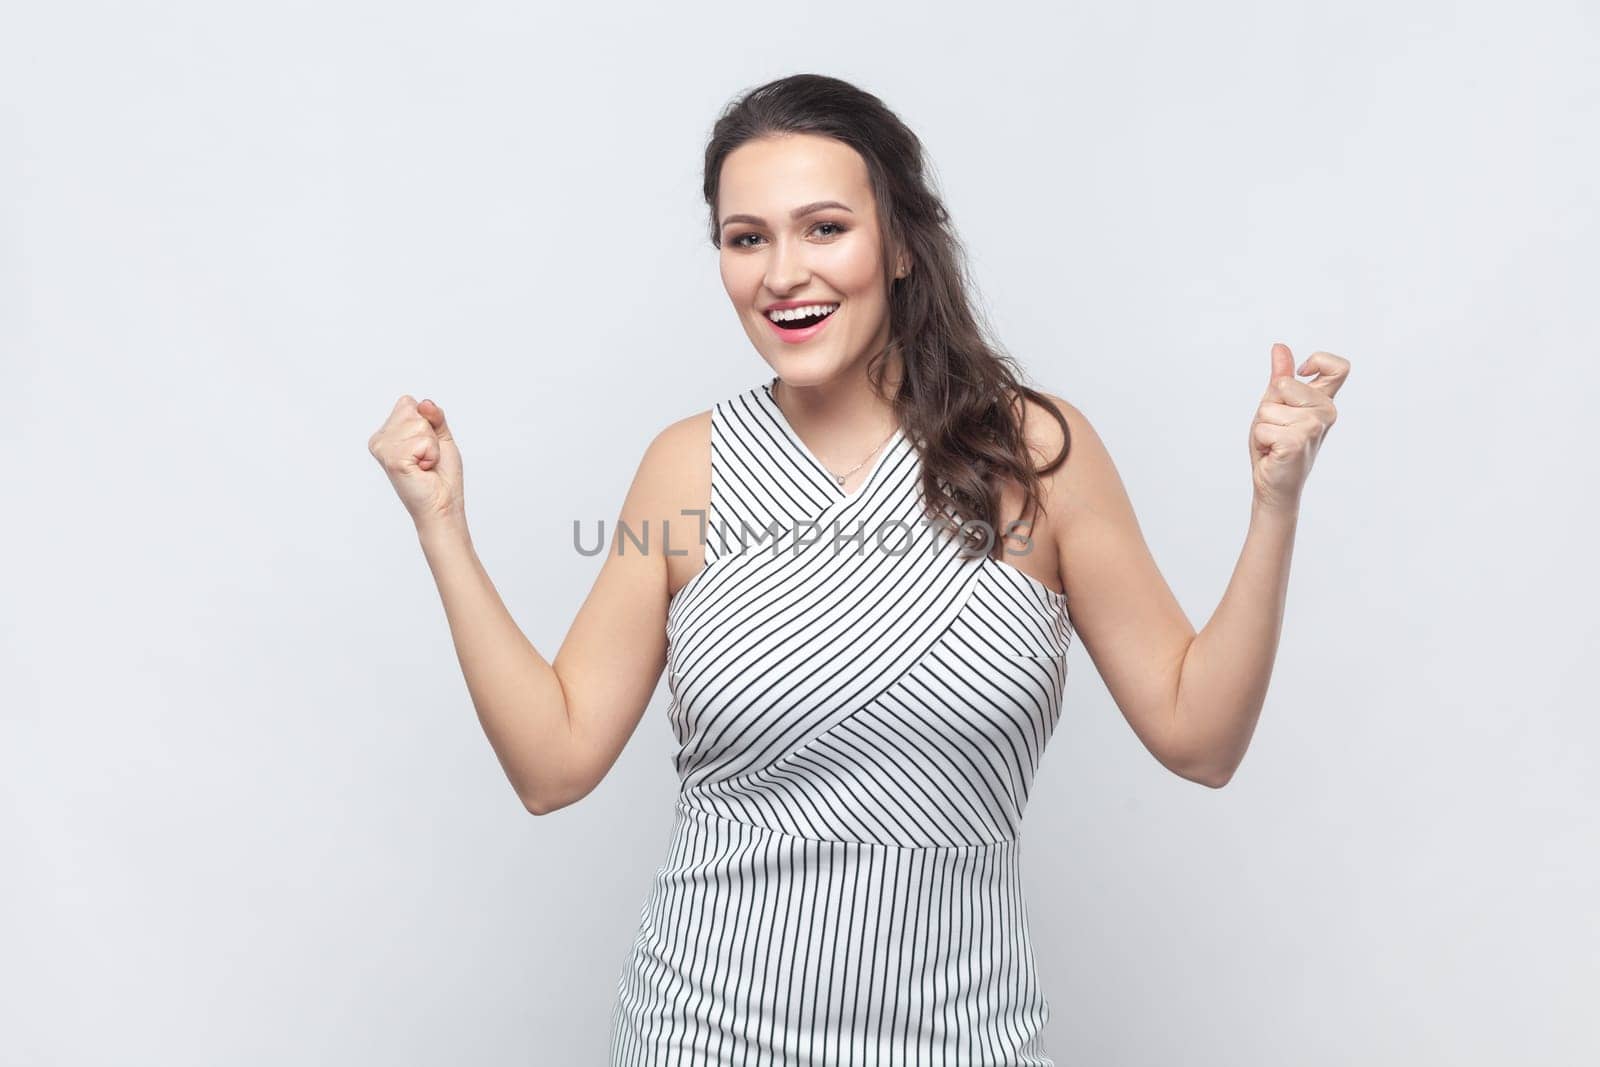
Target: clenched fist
(1290,424)
(416,451)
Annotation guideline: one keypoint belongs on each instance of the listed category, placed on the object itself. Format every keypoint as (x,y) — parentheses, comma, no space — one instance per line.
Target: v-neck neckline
(884,450)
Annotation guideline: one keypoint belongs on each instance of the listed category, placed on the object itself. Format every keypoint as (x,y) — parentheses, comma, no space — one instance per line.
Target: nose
(786,268)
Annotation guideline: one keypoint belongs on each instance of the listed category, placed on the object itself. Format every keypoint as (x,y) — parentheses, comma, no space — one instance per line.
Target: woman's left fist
(1290,423)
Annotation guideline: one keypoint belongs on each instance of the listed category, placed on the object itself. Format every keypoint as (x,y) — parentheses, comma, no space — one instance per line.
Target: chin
(802,370)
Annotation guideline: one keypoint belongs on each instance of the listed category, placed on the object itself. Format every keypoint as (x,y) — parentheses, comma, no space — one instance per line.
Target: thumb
(1282,362)
(435,416)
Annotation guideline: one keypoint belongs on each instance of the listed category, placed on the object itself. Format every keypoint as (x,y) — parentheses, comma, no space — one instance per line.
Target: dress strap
(760,483)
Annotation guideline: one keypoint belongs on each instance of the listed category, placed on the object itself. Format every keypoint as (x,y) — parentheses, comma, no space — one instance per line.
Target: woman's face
(826,255)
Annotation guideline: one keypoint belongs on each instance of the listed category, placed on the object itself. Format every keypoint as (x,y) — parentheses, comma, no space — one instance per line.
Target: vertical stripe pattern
(859,713)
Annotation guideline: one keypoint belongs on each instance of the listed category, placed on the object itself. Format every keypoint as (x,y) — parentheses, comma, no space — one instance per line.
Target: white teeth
(799,313)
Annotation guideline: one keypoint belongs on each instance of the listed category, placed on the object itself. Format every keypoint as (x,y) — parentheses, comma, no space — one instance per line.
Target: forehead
(770,175)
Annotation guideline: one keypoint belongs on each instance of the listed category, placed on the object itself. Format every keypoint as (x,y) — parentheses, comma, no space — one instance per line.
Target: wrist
(443,530)
(1274,510)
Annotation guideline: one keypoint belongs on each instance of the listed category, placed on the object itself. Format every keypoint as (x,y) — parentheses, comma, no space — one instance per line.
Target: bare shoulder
(1050,429)
(1043,437)
(1042,425)
(1077,480)
(672,492)
(679,446)
(677,460)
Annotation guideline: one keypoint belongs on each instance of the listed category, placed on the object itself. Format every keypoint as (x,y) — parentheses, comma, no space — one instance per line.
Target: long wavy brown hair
(960,394)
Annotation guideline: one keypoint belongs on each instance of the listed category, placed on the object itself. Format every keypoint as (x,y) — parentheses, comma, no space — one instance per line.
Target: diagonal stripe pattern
(860,713)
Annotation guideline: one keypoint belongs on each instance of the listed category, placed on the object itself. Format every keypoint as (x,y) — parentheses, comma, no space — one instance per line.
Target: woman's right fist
(416,451)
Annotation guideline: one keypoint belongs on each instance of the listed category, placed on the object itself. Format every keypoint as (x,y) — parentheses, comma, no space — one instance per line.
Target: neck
(842,419)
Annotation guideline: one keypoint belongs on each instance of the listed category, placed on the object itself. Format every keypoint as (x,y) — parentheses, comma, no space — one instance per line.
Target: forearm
(516,692)
(1223,681)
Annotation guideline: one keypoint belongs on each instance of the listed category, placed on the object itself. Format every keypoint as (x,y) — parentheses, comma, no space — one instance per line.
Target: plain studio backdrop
(249,816)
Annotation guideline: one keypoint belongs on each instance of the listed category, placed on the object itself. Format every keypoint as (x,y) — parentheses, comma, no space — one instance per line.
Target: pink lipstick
(795,337)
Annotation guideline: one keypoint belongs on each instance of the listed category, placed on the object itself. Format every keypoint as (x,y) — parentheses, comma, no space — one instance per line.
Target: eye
(739,241)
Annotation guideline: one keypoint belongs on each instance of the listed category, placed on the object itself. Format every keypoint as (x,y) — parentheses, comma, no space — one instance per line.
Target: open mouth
(811,318)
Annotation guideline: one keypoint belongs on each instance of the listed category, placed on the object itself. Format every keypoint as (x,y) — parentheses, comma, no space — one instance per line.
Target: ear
(902,265)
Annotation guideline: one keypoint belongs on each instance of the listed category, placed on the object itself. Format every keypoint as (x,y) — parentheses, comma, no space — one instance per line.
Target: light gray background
(248,814)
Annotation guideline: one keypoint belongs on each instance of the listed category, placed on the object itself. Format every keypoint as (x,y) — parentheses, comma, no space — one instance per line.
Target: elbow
(1211,768)
(539,799)
(544,803)
(1210,778)
(1210,775)
(1201,770)
(559,785)
(560,795)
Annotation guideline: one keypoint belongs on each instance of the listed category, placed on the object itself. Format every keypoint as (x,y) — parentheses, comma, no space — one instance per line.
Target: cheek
(741,275)
(856,271)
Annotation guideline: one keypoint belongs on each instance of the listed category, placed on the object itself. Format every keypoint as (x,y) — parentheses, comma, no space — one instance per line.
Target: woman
(867,651)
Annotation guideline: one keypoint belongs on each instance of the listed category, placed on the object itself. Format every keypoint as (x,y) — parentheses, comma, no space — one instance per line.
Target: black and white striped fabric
(859,714)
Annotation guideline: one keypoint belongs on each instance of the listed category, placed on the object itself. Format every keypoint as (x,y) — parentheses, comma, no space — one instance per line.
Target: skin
(557,727)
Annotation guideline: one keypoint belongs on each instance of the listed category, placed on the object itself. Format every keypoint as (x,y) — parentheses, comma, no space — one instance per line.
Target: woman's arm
(516,692)
(1192,698)
(556,726)
(1222,681)
(1120,606)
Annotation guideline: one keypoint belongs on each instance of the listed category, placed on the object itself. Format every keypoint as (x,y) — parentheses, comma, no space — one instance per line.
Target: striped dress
(859,712)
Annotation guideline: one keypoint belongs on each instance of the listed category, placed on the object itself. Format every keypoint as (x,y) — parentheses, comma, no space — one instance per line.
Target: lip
(784,305)
(795,337)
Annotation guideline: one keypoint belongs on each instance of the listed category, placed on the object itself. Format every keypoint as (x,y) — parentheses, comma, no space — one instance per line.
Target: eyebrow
(799,212)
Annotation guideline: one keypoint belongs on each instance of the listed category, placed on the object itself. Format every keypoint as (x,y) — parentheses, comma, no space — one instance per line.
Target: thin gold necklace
(840,478)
